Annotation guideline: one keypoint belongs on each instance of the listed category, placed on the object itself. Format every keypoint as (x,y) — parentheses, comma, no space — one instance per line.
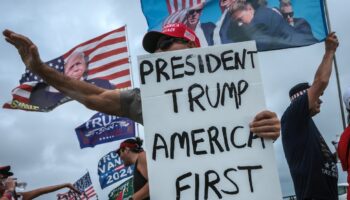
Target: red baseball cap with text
(177,30)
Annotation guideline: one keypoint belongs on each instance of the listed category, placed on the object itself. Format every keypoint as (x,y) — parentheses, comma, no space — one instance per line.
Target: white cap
(346,98)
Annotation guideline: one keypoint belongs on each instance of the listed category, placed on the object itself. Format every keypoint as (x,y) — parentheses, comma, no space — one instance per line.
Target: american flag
(84,185)
(178,5)
(108,59)
(178,9)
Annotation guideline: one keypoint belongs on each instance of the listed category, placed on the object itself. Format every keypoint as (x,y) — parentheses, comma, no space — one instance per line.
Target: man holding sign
(127,103)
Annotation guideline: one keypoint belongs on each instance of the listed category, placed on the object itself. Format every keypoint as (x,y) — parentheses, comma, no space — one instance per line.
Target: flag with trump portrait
(102,128)
(102,61)
(84,185)
(273,24)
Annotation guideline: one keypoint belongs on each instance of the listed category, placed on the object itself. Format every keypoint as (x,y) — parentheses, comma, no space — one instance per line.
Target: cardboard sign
(197,105)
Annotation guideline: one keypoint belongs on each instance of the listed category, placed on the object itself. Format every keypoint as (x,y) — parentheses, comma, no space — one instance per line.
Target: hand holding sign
(197,105)
(266,125)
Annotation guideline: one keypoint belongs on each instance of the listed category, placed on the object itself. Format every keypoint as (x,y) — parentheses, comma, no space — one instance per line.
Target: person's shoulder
(296,106)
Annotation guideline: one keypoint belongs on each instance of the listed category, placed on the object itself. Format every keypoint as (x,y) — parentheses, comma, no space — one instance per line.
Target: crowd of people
(311,163)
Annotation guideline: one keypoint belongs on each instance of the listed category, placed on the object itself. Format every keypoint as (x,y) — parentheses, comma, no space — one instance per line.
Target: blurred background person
(8,187)
(132,153)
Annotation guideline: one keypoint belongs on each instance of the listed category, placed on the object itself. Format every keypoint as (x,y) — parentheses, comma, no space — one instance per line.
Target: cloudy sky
(42,148)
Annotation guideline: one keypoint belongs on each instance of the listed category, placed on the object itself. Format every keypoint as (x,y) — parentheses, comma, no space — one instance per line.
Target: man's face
(316,108)
(171,44)
(193,16)
(287,12)
(243,16)
(125,155)
(75,66)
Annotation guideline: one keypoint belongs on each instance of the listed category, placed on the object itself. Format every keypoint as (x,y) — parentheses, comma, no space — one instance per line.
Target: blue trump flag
(111,169)
(273,24)
(102,128)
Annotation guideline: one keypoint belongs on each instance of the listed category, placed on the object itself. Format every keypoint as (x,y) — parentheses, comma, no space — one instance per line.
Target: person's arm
(142,167)
(44,190)
(93,97)
(266,124)
(324,71)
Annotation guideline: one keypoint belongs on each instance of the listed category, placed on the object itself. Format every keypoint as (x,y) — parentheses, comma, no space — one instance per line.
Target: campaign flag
(84,185)
(102,128)
(273,24)
(111,169)
(103,61)
(123,191)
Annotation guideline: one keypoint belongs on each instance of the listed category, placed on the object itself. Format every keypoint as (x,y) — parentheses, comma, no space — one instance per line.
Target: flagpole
(131,74)
(336,69)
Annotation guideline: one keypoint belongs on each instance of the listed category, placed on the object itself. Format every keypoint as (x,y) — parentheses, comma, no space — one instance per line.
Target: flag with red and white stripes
(178,5)
(103,61)
(84,185)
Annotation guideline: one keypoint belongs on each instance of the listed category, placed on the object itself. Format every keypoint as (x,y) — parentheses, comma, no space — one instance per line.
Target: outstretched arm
(266,125)
(93,97)
(324,71)
(41,191)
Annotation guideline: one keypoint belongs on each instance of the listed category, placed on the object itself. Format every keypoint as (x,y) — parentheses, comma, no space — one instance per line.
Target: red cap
(127,144)
(5,170)
(177,30)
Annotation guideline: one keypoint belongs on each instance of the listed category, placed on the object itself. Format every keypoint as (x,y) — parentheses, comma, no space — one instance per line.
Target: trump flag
(111,169)
(103,61)
(102,128)
(273,24)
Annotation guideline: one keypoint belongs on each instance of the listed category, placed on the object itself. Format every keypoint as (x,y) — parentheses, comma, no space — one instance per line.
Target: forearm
(41,191)
(93,97)
(324,71)
(76,89)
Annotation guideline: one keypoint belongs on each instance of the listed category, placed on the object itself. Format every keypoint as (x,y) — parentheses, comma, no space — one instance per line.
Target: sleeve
(131,104)
(298,111)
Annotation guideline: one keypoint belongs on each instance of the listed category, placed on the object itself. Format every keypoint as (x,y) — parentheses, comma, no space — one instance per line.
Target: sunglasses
(191,12)
(286,15)
(165,42)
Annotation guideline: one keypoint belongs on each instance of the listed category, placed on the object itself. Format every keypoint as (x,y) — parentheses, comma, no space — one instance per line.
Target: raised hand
(70,186)
(266,125)
(26,48)
(332,42)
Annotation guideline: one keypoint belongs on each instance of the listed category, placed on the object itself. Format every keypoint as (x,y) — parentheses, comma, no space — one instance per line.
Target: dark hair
(138,141)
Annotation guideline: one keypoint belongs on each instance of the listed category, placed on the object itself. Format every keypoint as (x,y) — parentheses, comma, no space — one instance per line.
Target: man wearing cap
(132,153)
(311,163)
(126,103)
(343,149)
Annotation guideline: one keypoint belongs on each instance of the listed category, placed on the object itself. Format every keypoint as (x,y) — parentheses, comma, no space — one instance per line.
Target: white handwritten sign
(197,104)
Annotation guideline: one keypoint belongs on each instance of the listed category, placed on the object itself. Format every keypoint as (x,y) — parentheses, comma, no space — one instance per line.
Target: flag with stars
(84,185)
(103,61)
(102,128)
